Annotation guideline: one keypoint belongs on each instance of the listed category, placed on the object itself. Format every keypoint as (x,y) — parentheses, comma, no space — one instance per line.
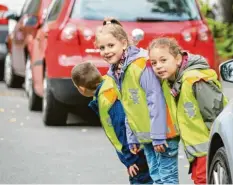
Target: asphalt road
(34,153)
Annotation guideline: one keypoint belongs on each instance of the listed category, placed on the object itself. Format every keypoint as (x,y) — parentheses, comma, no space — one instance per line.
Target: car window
(55,10)
(140,10)
(31,7)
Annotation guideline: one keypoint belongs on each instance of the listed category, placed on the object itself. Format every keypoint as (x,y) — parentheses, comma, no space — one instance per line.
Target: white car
(220,155)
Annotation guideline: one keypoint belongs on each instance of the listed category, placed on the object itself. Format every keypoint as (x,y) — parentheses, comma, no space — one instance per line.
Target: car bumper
(3,36)
(3,52)
(65,92)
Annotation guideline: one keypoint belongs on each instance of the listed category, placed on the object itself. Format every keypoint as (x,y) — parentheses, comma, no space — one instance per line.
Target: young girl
(193,95)
(143,101)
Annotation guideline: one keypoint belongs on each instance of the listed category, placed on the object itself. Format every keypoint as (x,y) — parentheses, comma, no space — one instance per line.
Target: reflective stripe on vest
(195,151)
(142,136)
(107,96)
(134,101)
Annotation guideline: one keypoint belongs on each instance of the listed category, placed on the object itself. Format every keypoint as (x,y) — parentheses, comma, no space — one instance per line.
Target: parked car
(3,35)
(19,42)
(220,155)
(67,35)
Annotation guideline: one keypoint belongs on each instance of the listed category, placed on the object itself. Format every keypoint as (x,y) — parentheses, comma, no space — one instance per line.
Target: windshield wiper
(142,19)
(147,19)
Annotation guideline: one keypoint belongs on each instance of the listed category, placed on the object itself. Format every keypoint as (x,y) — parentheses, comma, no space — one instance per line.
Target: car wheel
(28,76)
(34,101)
(219,172)
(10,78)
(1,70)
(53,111)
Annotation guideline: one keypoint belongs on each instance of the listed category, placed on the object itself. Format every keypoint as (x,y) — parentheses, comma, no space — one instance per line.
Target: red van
(67,36)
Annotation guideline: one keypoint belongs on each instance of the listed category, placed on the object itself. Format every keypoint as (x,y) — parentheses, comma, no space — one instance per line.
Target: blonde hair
(86,75)
(112,26)
(171,43)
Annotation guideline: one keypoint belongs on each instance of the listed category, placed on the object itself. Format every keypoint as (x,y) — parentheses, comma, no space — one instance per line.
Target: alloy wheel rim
(44,95)
(7,69)
(28,78)
(219,174)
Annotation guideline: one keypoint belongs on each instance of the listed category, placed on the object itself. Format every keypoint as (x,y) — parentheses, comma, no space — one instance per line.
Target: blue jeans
(163,166)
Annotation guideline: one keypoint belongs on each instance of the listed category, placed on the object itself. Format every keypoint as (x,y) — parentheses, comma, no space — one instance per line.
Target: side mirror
(10,15)
(226,71)
(31,21)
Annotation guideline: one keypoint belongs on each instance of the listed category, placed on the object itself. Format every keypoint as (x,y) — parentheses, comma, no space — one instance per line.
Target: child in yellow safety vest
(142,99)
(193,96)
(106,104)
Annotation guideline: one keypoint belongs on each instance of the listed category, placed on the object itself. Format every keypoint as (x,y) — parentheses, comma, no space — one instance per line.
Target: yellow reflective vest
(107,96)
(186,113)
(135,103)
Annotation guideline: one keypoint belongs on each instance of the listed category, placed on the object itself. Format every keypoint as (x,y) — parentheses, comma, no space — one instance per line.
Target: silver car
(220,155)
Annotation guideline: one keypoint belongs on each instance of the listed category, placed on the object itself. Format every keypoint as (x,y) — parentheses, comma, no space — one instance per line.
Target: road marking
(12,120)
(84,130)
(21,124)
(186,166)
(27,118)
(1,139)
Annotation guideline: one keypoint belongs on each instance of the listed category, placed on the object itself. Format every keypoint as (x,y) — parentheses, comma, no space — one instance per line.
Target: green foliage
(222,32)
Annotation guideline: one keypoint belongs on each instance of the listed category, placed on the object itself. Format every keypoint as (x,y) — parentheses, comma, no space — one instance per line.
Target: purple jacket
(154,96)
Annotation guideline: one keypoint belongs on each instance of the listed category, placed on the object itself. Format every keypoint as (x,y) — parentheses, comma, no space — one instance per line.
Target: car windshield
(137,10)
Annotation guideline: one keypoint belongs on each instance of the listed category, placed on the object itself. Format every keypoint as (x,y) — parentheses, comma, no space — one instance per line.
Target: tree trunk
(227,10)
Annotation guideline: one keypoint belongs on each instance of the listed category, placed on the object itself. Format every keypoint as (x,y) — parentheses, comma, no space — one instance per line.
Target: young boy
(193,95)
(106,104)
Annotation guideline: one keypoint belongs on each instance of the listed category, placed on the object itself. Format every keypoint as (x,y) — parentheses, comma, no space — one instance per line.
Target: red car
(3,36)
(19,42)
(67,37)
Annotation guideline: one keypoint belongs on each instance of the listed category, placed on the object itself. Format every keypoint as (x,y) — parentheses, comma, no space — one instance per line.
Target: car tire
(54,112)
(34,101)
(1,70)
(10,78)
(218,165)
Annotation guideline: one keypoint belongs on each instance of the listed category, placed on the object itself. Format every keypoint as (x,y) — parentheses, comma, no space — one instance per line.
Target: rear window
(137,10)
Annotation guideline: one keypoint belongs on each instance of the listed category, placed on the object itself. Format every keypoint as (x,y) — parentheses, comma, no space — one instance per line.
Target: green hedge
(222,32)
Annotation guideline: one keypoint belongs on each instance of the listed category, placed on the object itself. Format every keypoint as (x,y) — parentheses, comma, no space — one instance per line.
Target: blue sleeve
(94,106)
(127,158)
(156,104)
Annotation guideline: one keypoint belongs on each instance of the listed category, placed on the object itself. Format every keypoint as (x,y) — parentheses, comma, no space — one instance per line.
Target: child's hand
(132,170)
(160,148)
(134,149)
